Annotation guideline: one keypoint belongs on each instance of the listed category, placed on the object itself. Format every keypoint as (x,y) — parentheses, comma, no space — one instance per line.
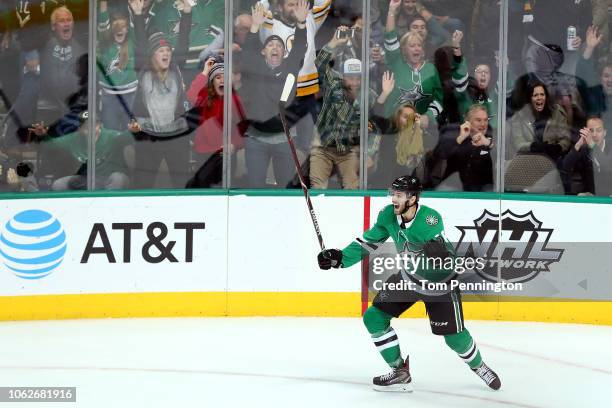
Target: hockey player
(418,229)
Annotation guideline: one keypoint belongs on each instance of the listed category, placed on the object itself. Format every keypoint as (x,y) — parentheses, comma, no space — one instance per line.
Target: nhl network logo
(521,252)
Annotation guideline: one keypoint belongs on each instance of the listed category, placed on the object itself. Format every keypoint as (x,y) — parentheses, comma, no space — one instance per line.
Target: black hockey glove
(330,258)
(436,248)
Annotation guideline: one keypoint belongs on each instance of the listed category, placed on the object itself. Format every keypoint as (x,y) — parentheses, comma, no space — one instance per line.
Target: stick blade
(289,82)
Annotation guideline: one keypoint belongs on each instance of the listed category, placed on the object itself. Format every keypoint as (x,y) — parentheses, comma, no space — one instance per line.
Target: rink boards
(254,254)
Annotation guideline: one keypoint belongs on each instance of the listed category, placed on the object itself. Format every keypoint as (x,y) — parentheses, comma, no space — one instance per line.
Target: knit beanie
(156,41)
(217,69)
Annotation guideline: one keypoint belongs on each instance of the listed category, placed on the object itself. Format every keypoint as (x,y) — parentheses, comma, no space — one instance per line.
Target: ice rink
(300,362)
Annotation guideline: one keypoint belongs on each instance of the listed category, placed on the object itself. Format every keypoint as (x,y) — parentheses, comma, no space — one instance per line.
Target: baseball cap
(352,66)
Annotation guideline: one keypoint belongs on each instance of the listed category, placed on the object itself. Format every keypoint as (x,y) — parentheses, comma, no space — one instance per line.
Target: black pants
(150,154)
(445,311)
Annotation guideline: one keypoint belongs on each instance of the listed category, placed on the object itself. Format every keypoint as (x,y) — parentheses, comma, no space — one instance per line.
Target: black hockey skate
(398,380)
(488,376)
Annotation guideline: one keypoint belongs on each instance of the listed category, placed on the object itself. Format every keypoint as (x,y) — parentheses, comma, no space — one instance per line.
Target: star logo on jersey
(175,29)
(113,66)
(431,220)
(412,96)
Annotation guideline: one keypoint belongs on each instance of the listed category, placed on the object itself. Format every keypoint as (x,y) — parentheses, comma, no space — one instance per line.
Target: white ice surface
(300,362)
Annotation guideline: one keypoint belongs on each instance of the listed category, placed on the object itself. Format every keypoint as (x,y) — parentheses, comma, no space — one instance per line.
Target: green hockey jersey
(465,99)
(421,87)
(109,149)
(409,239)
(110,76)
(205,13)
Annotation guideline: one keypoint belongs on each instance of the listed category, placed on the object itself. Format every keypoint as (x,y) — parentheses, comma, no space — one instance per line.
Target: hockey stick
(282,104)
(10,111)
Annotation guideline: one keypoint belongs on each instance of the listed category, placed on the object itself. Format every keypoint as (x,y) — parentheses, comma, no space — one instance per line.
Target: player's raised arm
(356,250)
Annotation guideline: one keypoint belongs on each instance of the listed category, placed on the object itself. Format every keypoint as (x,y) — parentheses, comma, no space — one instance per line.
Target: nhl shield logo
(522,252)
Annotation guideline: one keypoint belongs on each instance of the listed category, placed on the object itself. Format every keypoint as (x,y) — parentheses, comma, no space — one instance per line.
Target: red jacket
(209,135)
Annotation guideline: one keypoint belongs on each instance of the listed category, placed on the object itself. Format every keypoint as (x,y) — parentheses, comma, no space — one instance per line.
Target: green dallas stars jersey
(205,14)
(426,226)
(421,87)
(465,99)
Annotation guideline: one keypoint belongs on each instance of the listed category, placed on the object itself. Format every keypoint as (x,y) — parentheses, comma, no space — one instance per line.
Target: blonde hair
(475,108)
(55,12)
(410,35)
(398,113)
(409,147)
(124,52)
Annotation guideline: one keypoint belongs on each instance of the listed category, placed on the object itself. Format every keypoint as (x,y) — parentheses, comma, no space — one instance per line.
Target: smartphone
(345,34)
(192,3)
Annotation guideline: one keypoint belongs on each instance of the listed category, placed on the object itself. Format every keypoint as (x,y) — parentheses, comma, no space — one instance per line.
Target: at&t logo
(32,244)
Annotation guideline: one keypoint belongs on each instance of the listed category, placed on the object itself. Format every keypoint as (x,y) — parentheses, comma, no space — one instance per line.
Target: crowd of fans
(433,97)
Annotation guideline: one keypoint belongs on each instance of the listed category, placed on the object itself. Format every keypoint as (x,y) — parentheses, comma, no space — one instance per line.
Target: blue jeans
(258,156)
(116,110)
